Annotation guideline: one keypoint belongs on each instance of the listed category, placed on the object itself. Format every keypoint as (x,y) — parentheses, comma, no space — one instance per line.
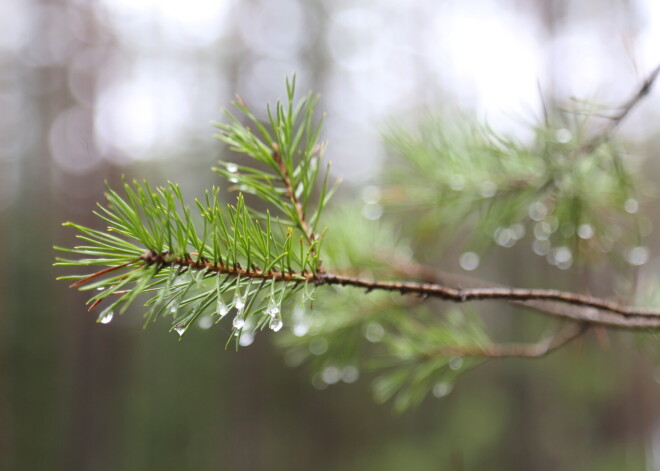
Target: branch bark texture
(591,310)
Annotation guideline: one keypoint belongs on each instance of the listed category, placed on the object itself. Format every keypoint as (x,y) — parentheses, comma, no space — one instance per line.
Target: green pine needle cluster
(575,200)
(292,154)
(220,258)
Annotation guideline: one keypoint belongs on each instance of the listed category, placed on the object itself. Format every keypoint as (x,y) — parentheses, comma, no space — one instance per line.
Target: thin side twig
(624,110)
(291,194)
(517,350)
(89,278)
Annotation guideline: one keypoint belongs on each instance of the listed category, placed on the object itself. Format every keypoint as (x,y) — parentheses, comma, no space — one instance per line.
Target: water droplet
(541,247)
(331,375)
(488,189)
(542,230)
(585,231)
(247,338)
(537,211)
(631,205)
(562,257)
(231,167)
(223,309)
(469,261)
(180,329)
(273,309)
(239,301)
(238,322)
(350,374)
(318,346)
(106,317)
(300,322)
(372,212)
(457,182)
(100,288)
(298,313)
(371,194)
(638,255)
(275,324)
(504,237)
(563,135)
(563,254)
(205,322)
(442,389)
(456,363)
(374,332)
(300,329)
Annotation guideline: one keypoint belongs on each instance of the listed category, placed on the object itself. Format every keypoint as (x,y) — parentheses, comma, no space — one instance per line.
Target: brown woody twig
(516,350)
(625,109)
(572,312)
(592,310)
(291,194)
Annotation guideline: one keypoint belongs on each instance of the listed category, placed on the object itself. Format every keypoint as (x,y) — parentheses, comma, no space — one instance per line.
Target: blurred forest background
(92,90)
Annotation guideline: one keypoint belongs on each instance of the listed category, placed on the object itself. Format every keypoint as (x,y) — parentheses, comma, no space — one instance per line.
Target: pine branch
(235,259)
(291,149)
(507,294)
(574,312)
(213,267)
(599,311)
(228,240)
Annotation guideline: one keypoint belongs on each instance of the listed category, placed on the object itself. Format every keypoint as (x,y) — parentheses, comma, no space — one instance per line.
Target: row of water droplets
(372,196)
(444,388)
(240,321)
(273,310)
(334,374)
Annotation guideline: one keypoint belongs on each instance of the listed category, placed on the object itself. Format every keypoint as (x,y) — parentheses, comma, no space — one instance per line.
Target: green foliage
(457,183)
(292,154)
(201,266)
(402,340)
(159,222)
(368,246)
(457,177)
(419,357)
